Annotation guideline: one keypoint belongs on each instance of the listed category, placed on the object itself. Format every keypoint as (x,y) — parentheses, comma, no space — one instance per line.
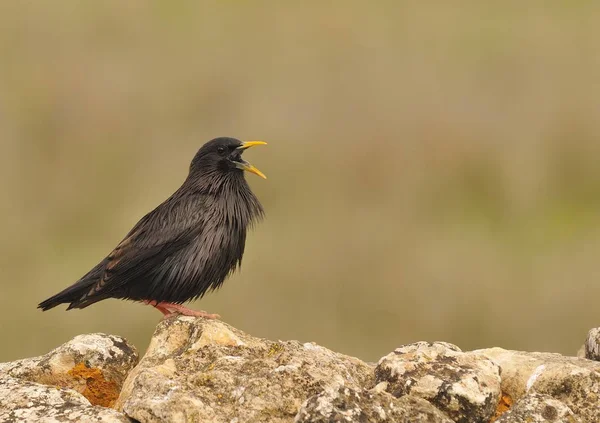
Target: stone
(94,365)
(539,408)
(206,370)
(573,381)
(342,404)
(591,348)
(464,385)
(24,401)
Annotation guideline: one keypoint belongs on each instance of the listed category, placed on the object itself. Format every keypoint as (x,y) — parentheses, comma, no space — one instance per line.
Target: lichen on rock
(573,381)
(539,408)
(591,347)
(98,390)
(198,370)
(466,386)
(94,365)
(342,404)
(24,401)
(209,371)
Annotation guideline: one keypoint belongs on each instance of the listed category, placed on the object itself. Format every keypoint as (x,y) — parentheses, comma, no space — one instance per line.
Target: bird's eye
(221,150)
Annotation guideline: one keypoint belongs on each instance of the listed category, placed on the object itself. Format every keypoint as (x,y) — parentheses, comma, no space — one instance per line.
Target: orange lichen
(504,405)
(98,390)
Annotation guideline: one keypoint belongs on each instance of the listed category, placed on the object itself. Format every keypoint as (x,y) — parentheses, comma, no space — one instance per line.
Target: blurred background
(433,167)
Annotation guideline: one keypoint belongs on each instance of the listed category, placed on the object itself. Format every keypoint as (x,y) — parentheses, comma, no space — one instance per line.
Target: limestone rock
(539,408)
(205,370)
(94,365)
(341,404)
(591,347)
(466,386)
(573,381)
(23,401)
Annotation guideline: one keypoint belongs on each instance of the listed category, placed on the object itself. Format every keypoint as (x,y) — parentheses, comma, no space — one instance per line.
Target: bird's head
(223,156)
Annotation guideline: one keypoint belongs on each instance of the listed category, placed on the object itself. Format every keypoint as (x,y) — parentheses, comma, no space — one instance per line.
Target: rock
(341,404)
(23,401)
(94,365)
(539,408)
(466,386)
(573,381)
(505,404)
(205,370)
(591,348)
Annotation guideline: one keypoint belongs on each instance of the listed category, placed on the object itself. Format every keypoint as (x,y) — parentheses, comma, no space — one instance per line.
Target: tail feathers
(85,301)
(69,295)
(75,295)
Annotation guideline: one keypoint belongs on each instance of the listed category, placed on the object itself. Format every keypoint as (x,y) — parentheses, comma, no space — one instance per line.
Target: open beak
(249,144)
(244,165)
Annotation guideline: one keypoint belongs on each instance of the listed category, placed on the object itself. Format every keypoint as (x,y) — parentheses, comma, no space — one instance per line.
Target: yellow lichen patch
(503,406)
(275,349)
(98,390)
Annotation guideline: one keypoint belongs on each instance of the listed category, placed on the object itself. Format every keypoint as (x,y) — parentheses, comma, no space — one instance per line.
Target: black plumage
(185,247)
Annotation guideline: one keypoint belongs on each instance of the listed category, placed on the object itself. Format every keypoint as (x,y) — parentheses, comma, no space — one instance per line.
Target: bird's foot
(178,308)
(166,313)
(168,309)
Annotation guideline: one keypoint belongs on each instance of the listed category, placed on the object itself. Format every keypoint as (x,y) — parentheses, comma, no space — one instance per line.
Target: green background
(433,166)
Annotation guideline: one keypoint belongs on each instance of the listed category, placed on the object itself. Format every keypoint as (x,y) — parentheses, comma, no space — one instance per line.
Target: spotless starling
(186,246)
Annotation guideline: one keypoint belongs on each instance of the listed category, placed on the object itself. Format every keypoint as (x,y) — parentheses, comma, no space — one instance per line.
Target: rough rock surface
(341,404)
(573,381)
(23,401)
(539,408)
(591,348)
(205,370)
(466,386)
(94,365)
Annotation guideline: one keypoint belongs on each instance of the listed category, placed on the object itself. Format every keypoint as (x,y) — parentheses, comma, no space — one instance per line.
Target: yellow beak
(249,144)
(247,166)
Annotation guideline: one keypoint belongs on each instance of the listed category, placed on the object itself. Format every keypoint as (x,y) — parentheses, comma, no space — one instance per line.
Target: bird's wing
(156,236)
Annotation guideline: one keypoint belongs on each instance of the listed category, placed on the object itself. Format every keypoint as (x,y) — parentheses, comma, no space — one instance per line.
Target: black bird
(186,246)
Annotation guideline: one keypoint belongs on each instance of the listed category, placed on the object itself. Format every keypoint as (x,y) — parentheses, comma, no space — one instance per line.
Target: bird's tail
(69,295)
(76,294)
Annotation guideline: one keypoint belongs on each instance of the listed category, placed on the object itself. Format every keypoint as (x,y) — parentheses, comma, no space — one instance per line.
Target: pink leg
(166,313)
(168,309)
(178,308)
